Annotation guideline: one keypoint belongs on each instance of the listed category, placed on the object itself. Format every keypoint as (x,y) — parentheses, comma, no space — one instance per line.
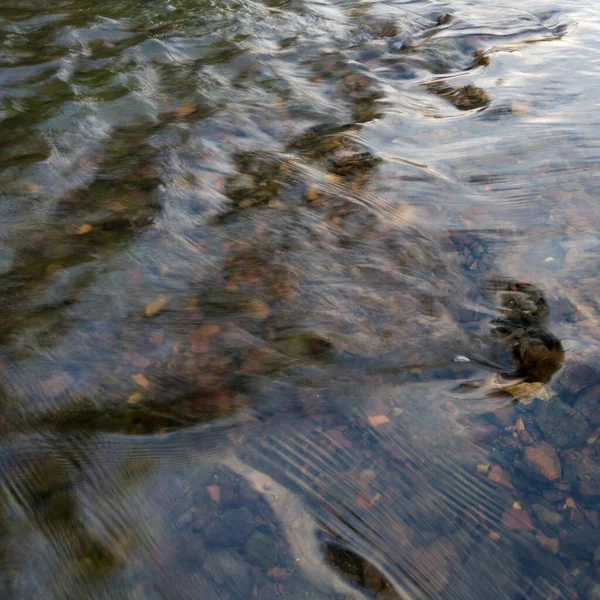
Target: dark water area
(299,299)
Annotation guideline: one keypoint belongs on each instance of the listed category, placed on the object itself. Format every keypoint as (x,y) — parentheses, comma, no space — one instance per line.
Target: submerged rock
(237,525)
(350,162)
(261,551)
(588,404)
(562,426)
(584,472)
(468,97)
(546,516)
(517,519)
(228,570)
(541,462)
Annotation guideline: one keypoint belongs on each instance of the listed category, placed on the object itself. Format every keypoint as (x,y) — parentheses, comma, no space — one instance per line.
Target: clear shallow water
(242,247)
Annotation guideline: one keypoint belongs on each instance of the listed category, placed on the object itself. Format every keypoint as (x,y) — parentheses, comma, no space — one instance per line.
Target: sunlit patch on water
(299,299)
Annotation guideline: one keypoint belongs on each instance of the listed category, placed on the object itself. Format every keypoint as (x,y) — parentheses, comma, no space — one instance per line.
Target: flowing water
(299,299)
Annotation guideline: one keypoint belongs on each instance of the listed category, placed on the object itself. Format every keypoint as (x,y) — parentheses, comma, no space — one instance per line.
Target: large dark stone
(582,472)
(237,525)
(581,543)
(562,426)
(588,404)
(261,551)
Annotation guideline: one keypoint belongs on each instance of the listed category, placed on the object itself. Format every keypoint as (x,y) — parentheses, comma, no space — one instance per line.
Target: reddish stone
(517,520)
(541,462)
(500,476)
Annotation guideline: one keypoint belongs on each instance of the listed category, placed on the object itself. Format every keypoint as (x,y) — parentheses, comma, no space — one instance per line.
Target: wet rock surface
(298,301)
(541,462)
(562,426)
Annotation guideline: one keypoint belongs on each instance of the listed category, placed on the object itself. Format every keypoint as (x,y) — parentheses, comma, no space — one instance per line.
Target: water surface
(299,299)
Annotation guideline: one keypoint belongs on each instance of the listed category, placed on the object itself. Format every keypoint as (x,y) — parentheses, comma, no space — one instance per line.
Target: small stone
(520,425)
(258,309)
(517,520)
(501,477)
(541,462)
(134,398)
(545,515)
(312,193)
(548,543)
(377,420)
(83,229)
(185,110)
(214,492)
(141,380)
(494,535)
(156,306)
(483,468)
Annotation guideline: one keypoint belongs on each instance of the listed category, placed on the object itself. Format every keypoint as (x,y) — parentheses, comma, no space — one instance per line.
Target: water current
(299,299)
